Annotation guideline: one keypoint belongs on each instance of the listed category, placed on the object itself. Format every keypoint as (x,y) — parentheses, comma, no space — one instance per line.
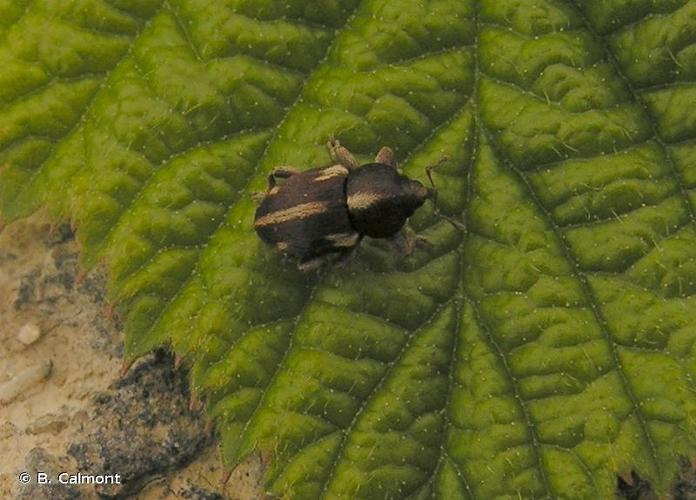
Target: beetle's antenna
(436,210)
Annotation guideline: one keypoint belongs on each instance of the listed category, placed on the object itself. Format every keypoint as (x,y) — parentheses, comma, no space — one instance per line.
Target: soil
(64,405)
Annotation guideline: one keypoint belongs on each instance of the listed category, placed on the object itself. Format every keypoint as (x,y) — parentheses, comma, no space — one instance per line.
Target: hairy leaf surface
(538,353)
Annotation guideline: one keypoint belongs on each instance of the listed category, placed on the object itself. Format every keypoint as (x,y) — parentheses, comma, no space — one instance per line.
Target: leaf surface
(538,353)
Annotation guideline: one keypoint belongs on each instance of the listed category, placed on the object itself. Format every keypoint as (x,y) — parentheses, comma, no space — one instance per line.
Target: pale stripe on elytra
(331,172)
(301,211)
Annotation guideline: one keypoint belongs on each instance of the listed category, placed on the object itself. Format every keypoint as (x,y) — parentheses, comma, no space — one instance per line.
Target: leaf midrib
(460,297)
(569,254)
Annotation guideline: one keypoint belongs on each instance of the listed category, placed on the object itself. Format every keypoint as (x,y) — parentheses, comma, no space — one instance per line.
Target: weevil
(321,213)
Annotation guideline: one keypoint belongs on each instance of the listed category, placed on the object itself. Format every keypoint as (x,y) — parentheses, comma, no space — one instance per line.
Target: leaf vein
(378,385)
(591,300)
(87,108)
(646,110)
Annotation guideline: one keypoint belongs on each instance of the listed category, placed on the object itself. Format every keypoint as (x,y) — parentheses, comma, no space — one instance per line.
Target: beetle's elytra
(326,211)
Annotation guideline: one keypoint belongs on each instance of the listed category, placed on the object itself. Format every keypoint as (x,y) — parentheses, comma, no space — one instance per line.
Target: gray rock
(142,428)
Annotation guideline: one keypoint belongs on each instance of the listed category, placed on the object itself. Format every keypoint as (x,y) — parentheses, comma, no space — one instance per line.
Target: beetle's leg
(311,264)
(406,240)
(341,155)
(346,256)
(386,157)
(280,173)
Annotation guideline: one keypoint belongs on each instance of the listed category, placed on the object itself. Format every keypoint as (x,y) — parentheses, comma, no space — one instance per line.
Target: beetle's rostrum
(325,212)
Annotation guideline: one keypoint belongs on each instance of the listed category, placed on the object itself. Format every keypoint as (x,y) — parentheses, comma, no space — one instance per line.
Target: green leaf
(538,353)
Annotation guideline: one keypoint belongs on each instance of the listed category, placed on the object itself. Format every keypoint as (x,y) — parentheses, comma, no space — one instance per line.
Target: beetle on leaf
(325,212)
